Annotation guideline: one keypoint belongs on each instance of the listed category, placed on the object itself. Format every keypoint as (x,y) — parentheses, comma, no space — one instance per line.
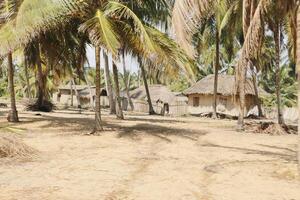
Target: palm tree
(252,44)
(143,72)
(275,23)
(13,114)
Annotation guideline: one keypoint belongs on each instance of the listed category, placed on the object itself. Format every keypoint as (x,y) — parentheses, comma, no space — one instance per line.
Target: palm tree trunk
(139,78)
(298,71)
(217,66)
(277,54)
(28,91)
(71,93)
(98,121)
(117,91)
(126,83)
(41,80)
(90,91)
(257,101)
(13,114)
(248,14)
(112,104)
(143,73)
(241,89)
(76,93)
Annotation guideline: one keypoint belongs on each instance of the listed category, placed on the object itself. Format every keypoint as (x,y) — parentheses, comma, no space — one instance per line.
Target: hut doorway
(165,109)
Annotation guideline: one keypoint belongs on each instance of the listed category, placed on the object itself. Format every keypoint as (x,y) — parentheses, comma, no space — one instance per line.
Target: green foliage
(288,88)
(179,85)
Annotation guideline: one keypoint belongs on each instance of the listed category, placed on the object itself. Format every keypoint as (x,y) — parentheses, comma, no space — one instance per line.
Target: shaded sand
(151,158)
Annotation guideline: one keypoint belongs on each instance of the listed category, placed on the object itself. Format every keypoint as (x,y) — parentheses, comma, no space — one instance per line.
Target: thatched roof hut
(162,98)
(226,86)
(157,93)
(201,94)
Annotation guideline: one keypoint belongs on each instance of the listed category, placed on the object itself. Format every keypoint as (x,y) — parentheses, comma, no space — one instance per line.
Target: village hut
(86,95)
(163,100)
(201,96)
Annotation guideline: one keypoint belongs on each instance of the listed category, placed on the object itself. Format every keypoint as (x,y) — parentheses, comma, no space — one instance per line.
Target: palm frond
(101,32)
(119,11)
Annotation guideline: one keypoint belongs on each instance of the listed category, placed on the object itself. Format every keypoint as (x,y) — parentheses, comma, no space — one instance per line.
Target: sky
(131,63)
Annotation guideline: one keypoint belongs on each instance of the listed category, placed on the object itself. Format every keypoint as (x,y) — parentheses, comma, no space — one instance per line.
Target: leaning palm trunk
(98,122)
(112,104)
(117,91)
(126,83)
(250,50)
(217,66)
(277,54)
(143,73)
(13,114)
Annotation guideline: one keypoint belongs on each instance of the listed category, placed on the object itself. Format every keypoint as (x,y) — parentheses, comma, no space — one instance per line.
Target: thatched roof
(226,86)
(78,87)
(83,90)
(157,92)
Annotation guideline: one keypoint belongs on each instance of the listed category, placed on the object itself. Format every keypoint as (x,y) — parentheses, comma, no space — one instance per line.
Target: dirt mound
(270,128)
(11,147)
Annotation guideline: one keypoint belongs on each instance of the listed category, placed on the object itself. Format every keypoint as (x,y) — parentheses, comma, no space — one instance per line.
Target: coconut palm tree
(253,39)
(143,72)
(6,15)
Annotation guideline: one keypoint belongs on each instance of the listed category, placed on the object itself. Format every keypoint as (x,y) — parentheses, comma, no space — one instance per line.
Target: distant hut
(63,96)
(163,100)
(201,96)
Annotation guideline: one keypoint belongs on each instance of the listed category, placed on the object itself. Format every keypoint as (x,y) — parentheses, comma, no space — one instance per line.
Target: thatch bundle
(11,147)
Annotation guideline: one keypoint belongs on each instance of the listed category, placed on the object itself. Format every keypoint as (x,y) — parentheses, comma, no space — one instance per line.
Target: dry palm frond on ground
(13,147)
(270,128)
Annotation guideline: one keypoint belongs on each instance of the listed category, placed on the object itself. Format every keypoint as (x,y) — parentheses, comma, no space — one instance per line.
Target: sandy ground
(151,158)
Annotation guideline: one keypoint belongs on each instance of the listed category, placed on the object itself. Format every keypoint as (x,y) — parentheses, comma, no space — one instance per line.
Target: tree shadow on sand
(158,131)
(135,132)
(290,157)
(159,120)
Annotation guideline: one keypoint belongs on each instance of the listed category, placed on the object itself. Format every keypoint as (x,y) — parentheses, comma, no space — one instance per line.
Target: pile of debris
(12,147)
(271,128)
(46,107)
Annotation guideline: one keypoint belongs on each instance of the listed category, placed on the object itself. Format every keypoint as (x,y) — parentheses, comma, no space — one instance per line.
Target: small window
(196,101)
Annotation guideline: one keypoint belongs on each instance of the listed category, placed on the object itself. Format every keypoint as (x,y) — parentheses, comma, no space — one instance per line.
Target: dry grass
(12,147)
